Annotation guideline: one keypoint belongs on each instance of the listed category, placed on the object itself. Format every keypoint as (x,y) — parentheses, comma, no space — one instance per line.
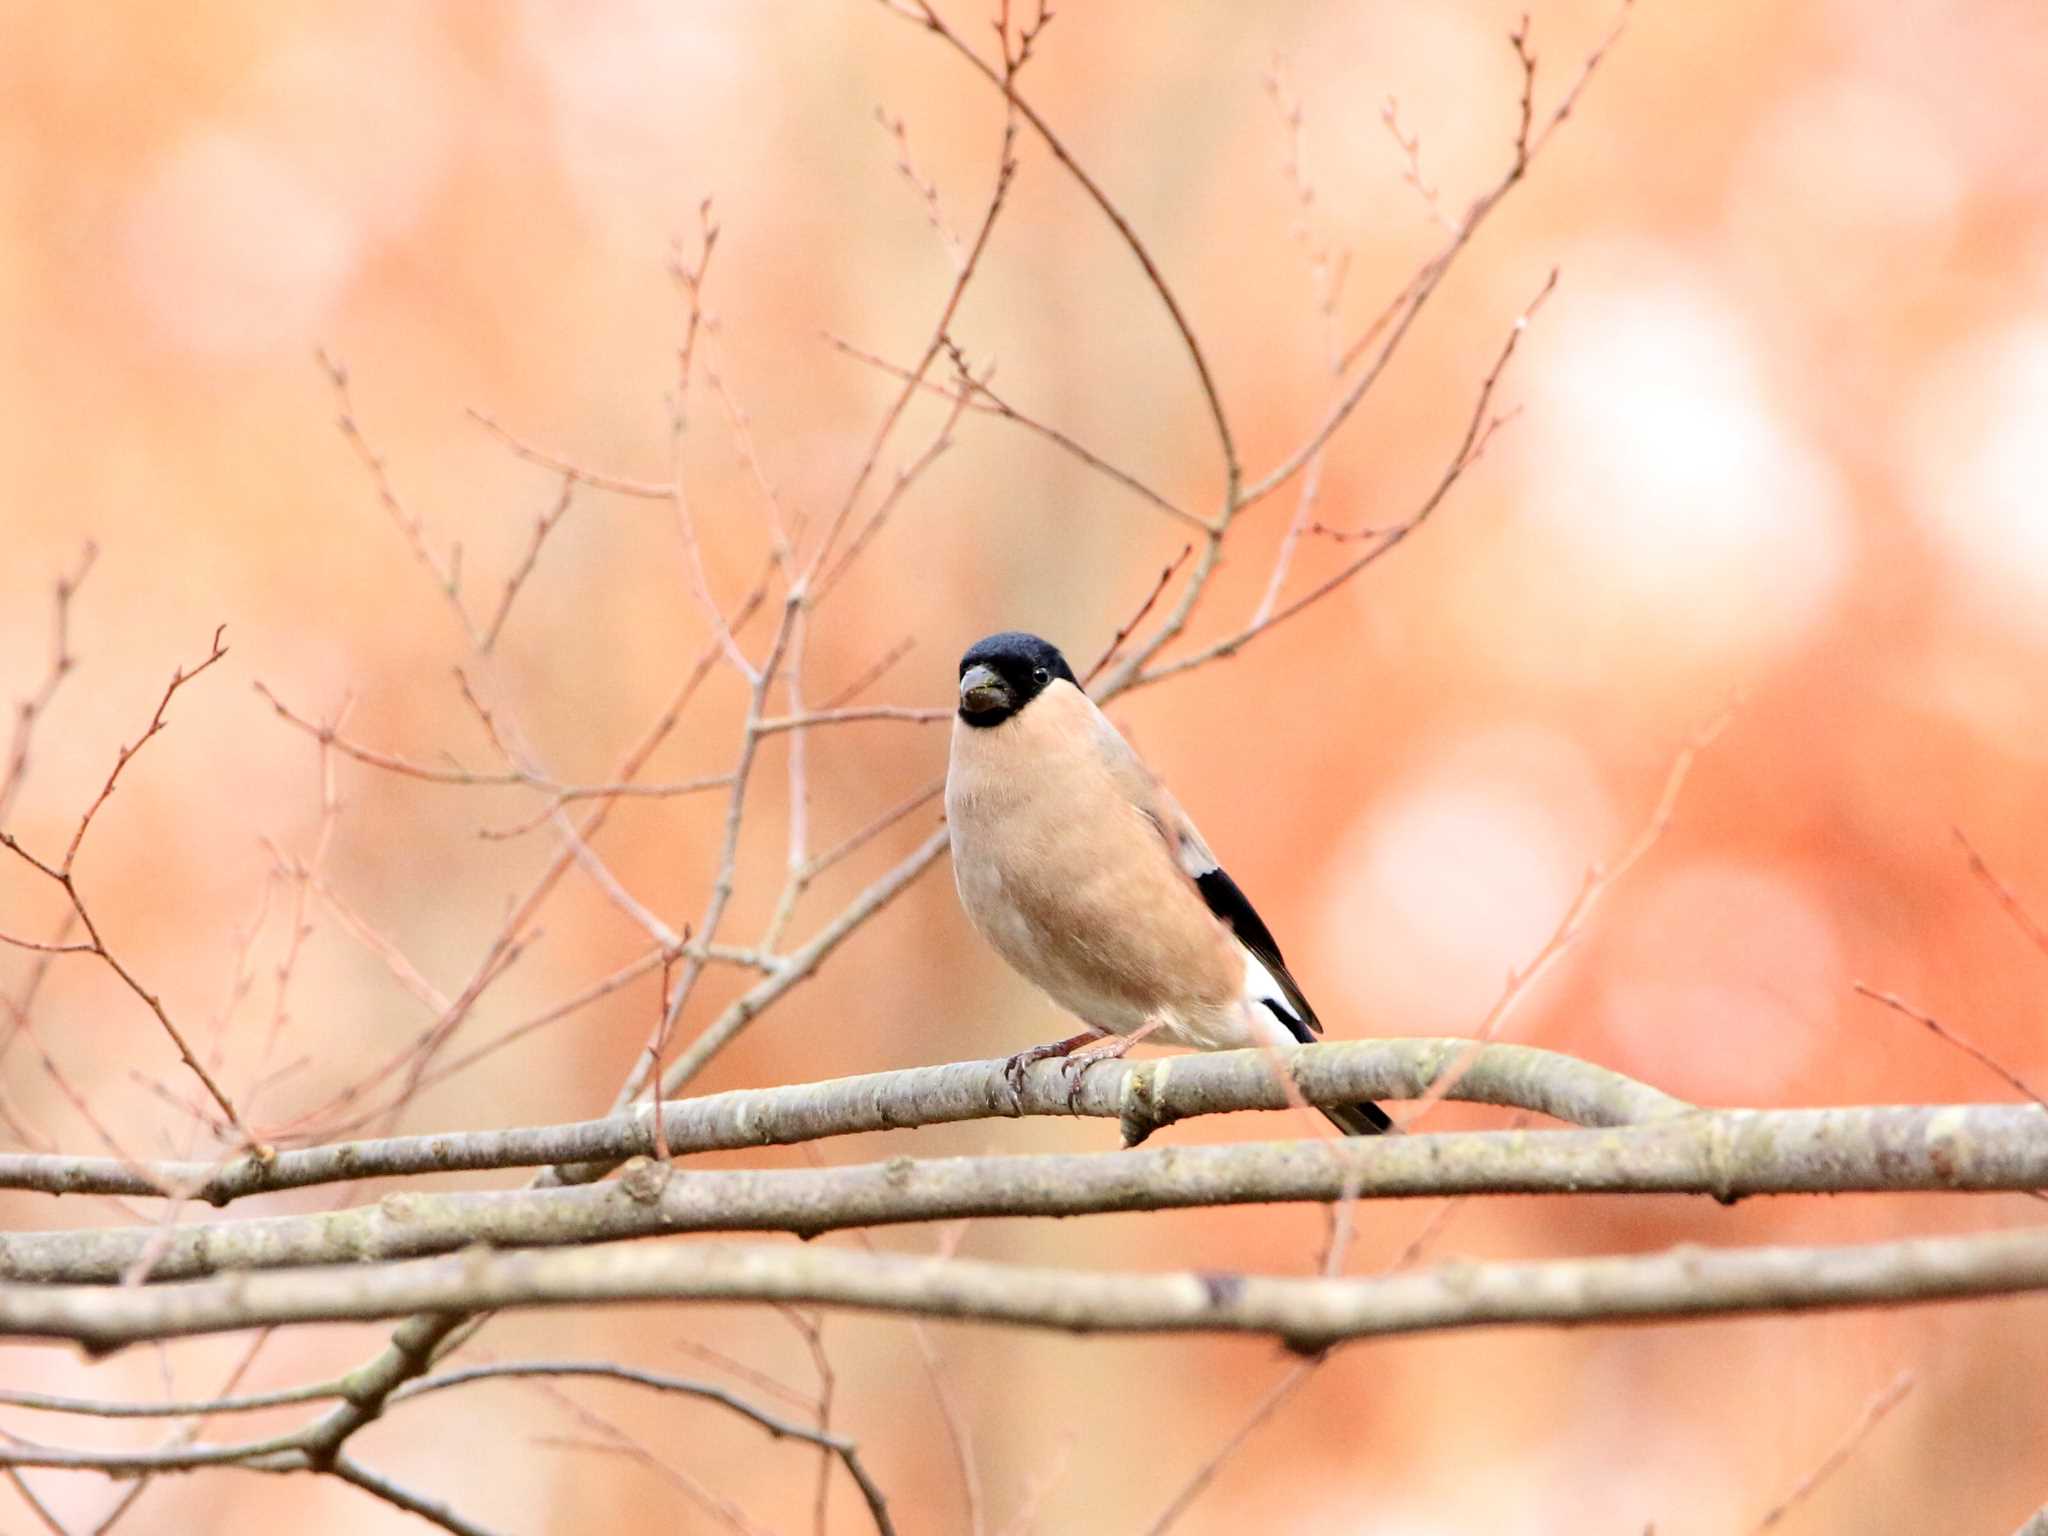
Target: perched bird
(1085,874)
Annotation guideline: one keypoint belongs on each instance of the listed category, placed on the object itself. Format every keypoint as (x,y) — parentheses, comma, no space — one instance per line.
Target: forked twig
(63,874)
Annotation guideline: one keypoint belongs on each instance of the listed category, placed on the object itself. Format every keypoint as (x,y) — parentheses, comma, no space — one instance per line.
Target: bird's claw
(1015,1069)
(1075,1070)
(1075,1067)
(1013,1074)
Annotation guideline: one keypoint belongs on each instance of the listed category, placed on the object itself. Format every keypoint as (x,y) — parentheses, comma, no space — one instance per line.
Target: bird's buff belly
(1111,977)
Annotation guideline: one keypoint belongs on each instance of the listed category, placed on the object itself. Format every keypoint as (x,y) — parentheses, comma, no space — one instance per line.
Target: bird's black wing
(1229,903)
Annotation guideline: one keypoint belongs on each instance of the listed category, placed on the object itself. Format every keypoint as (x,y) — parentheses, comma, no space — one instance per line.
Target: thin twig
(776,723)
(855,841)
(864,680)
(983,400)
(780,1428)
(63,874)
(1403,310)
(1124,630)
(1005,173)
(62,661)
(616,1438)
(1478,428)
(1873,1415)
(2003,894)
(543,525)
(1942,1031)
(447,573)
(647,490)
(1003,77)
(1593,888)
(904,479)
(1270,1402)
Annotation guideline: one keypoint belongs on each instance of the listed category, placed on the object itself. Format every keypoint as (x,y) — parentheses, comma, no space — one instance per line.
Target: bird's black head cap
(1005,672)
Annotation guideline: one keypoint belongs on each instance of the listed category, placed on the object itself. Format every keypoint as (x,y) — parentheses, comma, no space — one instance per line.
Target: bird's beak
(982,691)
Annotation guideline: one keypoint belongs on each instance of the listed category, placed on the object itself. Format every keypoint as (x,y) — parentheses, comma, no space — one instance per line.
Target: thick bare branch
(1725,1154)
(1307,1314)
(1142,1095)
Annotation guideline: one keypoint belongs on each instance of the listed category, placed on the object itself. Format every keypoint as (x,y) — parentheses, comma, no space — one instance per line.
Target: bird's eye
(1040,675)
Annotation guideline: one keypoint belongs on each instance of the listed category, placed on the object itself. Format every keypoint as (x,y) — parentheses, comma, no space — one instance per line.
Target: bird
(1082,871)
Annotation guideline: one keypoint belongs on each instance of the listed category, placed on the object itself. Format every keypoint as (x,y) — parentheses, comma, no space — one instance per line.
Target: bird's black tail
(1359,1119)
(1351,1119)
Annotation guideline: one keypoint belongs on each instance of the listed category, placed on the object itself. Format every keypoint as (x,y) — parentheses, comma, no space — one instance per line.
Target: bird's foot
(1015,1068)
(1076,1066)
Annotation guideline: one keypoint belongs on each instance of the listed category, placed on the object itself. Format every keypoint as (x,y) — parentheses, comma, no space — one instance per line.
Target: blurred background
(1781,439)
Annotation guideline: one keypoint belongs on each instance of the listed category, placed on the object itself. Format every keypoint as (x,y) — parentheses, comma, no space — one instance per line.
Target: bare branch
(36,1506)
(872,675)
(1142,1096)
(1401,313)
(1307,1314)
(170,1408)
(179,678)
(1725,1154)
(904,478)
(1477,429)
(926,189)
(1006,171)
(984,400)
(63,874)
(1004,79)
(615,1438)
(1410,145)
(800,963)
(855,841)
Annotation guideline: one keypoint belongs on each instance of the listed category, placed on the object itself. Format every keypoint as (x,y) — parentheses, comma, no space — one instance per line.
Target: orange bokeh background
(1781,438)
